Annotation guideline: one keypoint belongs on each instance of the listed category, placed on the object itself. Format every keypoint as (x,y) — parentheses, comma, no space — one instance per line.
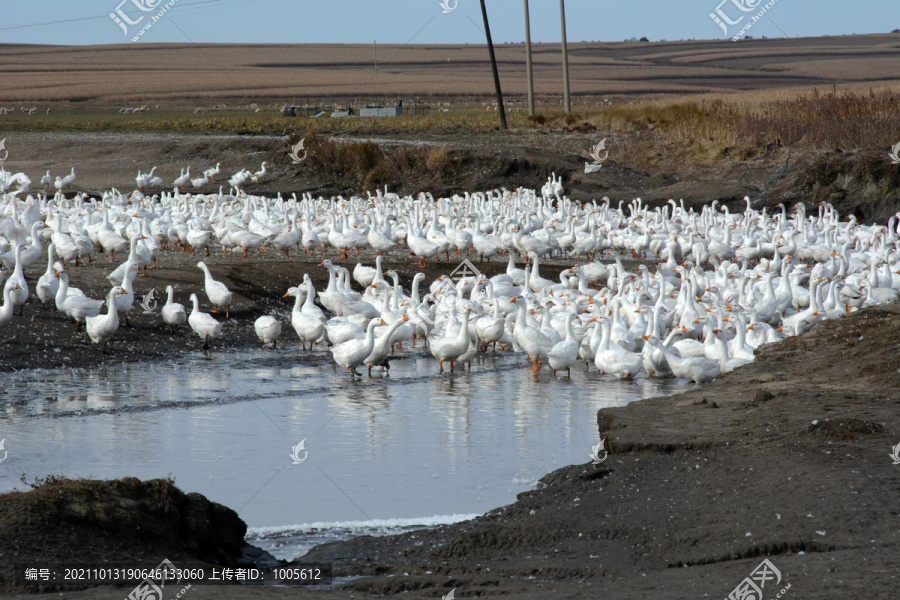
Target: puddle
(380,454)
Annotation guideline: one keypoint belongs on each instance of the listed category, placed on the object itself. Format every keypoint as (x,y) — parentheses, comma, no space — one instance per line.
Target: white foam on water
(371,525)
(290,542)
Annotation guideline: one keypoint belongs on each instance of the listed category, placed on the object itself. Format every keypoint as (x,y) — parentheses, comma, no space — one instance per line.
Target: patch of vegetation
(367,165)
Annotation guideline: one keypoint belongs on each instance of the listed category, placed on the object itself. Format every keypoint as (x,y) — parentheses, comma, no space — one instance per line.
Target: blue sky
(422,21)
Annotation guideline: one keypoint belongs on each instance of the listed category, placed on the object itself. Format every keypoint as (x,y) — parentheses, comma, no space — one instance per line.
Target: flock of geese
(715,287)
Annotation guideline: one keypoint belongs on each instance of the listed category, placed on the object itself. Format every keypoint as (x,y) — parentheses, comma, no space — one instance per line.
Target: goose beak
(646,337)
(286,294)
(405,318)
(382,322)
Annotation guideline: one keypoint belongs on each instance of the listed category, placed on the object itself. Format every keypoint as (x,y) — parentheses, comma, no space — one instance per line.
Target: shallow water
(416,446)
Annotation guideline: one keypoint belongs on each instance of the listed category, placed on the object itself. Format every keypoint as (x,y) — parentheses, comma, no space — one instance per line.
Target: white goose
(17,284)
(211,173)
(199,182)
(118,273)
(696,369)
(203,324)
(143,179)
(421,248)
(64,243)
(267,329)
(183,179)
(125,299)
(173,313)
(76,305)
(217,292)
(353,353)
(6,311)
(382,346)
(613,359)
(451,347)
(48,284)
(261,173)
(532,341)
(102,327)
(564,354)
(308,326)
(31,252)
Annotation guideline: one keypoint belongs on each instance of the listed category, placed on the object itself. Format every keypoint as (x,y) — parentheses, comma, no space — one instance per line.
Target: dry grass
(367,165)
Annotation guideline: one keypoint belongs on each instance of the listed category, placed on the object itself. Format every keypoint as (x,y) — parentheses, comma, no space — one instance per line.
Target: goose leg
(536,366)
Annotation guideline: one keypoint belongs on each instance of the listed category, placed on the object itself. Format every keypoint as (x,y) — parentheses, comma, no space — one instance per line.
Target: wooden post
(528,65)
(487,32)
(565,53)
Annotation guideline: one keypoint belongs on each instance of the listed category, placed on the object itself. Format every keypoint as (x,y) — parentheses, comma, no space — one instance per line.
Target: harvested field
(166,73)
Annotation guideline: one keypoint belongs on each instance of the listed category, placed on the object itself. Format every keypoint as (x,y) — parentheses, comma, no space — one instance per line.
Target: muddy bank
(785,459)
(125,520)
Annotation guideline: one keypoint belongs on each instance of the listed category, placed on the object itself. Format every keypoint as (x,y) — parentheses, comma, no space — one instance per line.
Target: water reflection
(411,443)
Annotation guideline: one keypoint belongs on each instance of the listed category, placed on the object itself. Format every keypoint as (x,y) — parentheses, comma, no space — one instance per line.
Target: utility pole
(487,32)
(375,44)
(565,53)
(528,62)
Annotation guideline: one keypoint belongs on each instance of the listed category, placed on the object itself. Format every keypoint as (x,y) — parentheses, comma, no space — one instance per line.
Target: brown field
(209,73)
